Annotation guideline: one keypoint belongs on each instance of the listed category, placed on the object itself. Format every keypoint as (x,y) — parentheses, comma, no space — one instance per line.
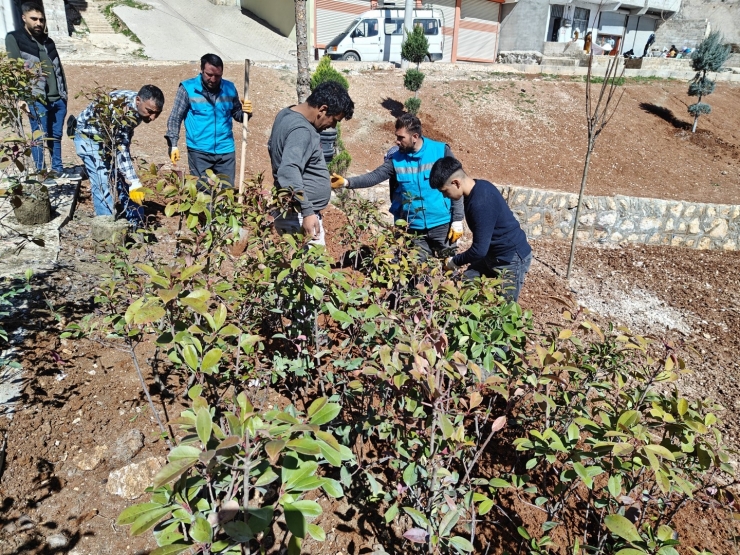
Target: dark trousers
(199,162)
(49,119)
(512,273)
(433,242)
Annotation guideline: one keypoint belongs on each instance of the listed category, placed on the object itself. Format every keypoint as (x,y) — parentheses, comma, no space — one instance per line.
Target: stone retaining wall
(626,219)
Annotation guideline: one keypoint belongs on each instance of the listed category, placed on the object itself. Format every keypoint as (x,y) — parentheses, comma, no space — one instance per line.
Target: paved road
(177,30)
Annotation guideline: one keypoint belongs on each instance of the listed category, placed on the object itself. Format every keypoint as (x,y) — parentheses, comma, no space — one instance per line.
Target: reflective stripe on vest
(208,126)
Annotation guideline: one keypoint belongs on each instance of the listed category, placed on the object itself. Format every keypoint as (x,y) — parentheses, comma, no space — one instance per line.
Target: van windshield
(351,26)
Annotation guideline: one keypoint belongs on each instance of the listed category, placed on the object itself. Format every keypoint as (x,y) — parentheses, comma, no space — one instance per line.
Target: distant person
(208,104)
(672,51)
(435,222)
(143,106)
(587,43)
(298,161)
(33,45)
(648,44)
(500,247)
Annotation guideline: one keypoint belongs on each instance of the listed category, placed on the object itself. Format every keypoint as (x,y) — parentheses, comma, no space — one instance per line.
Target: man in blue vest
(435,221)
(207,103)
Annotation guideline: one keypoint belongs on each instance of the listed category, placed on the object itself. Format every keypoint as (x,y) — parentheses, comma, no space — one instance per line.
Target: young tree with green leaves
(326,72)
(710,55)
(414,49)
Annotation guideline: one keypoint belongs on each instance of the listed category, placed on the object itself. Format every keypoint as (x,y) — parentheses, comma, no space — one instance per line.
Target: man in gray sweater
(297,160)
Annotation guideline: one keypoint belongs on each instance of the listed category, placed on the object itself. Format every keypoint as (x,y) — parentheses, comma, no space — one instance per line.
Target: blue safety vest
(414,200)
(208,126)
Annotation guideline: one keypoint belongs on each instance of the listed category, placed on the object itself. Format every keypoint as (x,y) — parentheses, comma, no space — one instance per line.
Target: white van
(377,34)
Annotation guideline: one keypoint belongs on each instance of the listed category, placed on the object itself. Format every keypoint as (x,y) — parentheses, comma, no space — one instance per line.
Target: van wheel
(351,57)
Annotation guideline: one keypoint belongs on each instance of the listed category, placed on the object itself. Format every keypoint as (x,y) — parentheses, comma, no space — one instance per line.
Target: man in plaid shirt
(143,106)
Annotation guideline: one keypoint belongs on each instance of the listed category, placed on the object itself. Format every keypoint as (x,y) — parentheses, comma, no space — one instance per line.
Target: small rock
(130,481)
(57,541)
(90,460)
(126,447)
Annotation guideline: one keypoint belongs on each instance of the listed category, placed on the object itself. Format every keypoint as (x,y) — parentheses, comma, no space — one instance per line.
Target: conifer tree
(415,49)
(709,56)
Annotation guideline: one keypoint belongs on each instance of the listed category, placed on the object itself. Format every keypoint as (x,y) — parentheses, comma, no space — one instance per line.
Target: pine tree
(415,49)
(709,56)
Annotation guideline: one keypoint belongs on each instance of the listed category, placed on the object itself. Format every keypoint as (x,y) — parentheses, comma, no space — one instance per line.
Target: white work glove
(175,154)
(247,106)
(136,192)
(450,265)
(337,181)
(456,231)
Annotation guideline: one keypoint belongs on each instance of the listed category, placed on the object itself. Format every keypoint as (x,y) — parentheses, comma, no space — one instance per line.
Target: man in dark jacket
(500,247)
(33,45)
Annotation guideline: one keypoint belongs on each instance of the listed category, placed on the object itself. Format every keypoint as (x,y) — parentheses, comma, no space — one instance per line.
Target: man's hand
(337,181)
(311,226)
(456,231)
(450,265)
(136,192)
(247,106)
(175,154)
(23,106)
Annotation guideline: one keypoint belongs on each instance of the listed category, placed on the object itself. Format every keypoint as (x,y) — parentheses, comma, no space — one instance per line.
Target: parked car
(377,34)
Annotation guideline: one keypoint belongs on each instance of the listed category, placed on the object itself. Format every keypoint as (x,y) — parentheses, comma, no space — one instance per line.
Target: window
(366,28)
(431,26)
(580,20)
(394,26)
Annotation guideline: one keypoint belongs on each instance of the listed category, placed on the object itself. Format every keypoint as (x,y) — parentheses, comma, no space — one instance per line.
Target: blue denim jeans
(48,118)
(89,152)
(512,273)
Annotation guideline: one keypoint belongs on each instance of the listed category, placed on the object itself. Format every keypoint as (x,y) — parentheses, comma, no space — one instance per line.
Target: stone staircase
(92,13)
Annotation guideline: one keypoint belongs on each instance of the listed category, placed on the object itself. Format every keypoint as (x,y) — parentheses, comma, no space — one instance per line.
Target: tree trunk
(589,151)
(408,26)
(303,82)
(696,117)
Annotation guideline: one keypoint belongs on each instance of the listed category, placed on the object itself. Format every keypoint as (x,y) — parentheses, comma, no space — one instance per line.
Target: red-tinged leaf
(499,423)
(274,448)
(228,443)
(416,535)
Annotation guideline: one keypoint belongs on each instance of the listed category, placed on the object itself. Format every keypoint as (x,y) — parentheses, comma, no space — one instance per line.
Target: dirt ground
(83,398)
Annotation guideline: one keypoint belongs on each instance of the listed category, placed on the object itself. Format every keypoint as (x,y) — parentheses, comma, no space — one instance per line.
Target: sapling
(710,55)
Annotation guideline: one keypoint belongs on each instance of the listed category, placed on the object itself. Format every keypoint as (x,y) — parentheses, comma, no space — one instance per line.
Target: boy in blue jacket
(500,247)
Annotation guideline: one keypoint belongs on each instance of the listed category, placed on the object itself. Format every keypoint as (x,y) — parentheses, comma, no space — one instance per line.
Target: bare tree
(597,116)
(303,82)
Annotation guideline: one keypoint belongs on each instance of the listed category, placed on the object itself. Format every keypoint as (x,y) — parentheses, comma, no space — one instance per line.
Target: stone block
(690,210)
(710,211)
(668,225)
(627,225)
(694,226)
(654,239)
(536,231)
(534,218)
(719,228)
(676,241)
(587,219)
(675,209)
(607,219)
(130,481)
(704,243)
(682,227)
(583,235)
(648,224)
(549,218)
(572,201)
(520,198)
(730,245)
(599,234)
(735,212)
(616,237)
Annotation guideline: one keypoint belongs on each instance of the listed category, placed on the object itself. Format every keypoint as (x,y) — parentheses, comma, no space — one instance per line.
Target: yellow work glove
(247,106)
(337,181)
(175,155)
(136,192)
(456,231)
(450,265)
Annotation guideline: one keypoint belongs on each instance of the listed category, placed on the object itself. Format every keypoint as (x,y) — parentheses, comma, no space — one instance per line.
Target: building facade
(470,27)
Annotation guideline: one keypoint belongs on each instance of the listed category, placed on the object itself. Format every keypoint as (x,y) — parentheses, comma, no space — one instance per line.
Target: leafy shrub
(710,55)
(412,105)
(415,48)
(325,72)
(413,79)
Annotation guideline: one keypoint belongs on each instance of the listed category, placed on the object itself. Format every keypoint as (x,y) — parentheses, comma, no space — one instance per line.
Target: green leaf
(391,513)
(485,506)
(325,414)
(461,544)
(332,487)
(409,475)
(238,531)
(305,446)
(130,514)
(211,358)
(295,520)
(615,486)
(148,314)
(294,545)
(172,549)
(316,532)
(631,551)
(448,430)
(274,448)
(683,406)
(148,519)
(267,477)
(523,532)
(448,523)
(191,356)
(499,483)
(172,471)
(417,517)
(583,474)
(660,451)
(200,530)
(309,509)
(187,273)
(622,527)
(184,452)
(203,425)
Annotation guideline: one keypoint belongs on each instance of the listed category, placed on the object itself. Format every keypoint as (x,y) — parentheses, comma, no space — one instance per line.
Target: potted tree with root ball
(414,49)
(28,195)
(337,158)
